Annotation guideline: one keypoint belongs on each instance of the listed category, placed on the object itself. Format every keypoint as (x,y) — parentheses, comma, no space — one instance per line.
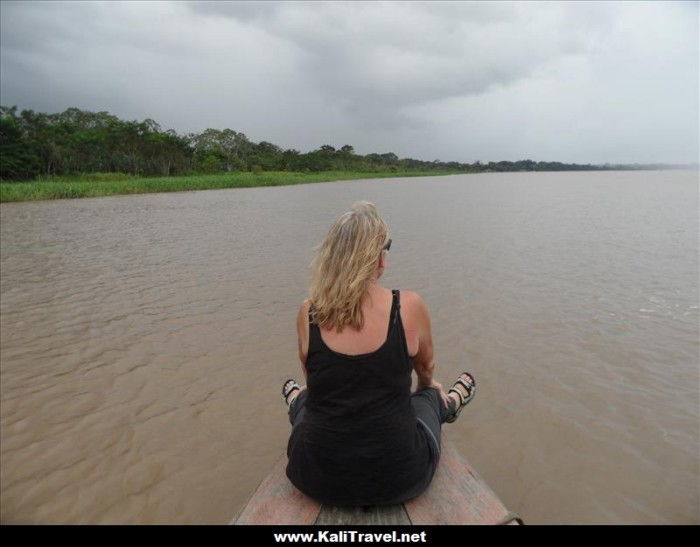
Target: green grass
(109,184)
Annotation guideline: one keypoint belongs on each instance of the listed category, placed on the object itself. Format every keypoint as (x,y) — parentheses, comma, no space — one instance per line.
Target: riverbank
(109,184)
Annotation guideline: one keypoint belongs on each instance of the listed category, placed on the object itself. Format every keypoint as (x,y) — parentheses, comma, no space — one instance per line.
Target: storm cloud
(575,82)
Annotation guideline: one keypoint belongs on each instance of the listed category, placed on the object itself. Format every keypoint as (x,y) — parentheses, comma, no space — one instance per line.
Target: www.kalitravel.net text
(350,536)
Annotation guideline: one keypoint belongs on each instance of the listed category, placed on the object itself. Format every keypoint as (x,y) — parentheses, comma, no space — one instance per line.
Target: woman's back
(360,442)
(376,311)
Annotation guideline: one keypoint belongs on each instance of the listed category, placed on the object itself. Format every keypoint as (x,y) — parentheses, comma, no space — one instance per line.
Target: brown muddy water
(144,340)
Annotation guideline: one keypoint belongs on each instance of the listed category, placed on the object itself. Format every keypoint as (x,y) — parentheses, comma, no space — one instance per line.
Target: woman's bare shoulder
(304,308)
(303,331)
(412,300)
(415,321)
(414,309)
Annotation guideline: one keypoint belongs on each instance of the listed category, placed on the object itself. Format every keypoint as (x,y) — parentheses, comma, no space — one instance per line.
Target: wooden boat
(456,495)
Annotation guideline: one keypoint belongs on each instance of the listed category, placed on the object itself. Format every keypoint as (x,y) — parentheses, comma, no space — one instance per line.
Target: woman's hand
(438,386)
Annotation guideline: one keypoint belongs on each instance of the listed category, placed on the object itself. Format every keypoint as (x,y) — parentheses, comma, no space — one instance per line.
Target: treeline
(34,144)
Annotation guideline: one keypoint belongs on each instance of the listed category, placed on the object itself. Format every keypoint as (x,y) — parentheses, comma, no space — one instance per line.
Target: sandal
(288,388)
(471,391)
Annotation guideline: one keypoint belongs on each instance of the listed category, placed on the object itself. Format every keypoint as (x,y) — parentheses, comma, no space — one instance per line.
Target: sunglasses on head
(387,246)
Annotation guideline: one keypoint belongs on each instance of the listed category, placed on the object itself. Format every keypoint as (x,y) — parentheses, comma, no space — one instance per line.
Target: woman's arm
(303,335)
(423,362)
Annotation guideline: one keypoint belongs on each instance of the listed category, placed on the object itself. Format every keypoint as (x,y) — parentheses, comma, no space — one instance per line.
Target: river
(144,340)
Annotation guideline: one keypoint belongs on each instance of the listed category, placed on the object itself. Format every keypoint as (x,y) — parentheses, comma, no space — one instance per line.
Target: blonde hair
(343,267)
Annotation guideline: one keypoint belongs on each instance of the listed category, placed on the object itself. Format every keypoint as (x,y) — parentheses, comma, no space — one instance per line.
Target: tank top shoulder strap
(395,307)
(396,324)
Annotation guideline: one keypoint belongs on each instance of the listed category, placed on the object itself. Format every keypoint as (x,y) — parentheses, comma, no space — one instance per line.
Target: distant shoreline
(113,184)
(116,184)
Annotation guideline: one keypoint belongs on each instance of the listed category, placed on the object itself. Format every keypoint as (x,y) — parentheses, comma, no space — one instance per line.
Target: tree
(18,157)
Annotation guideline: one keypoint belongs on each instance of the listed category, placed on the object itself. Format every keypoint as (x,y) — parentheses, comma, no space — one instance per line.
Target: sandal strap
(464,399)
(471,390)
(461,395)
(468,385)
(287,391)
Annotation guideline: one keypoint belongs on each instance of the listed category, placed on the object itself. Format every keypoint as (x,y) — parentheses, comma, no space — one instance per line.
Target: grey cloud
(454,80)
(379,64)
(243,11)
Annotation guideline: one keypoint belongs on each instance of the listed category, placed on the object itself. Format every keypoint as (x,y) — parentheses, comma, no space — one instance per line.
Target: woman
(360,437)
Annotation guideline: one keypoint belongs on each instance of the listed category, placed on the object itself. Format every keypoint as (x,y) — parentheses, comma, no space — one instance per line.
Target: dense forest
(37,145)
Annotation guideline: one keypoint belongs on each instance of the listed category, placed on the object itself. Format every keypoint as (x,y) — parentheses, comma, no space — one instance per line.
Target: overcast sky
(575,82)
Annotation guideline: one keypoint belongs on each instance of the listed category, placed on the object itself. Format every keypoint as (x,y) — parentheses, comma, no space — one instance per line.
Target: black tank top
(359,442)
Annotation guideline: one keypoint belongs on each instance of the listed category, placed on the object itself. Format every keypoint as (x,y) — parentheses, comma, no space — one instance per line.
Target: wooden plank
(277,501)
(390,514)
(456,495)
